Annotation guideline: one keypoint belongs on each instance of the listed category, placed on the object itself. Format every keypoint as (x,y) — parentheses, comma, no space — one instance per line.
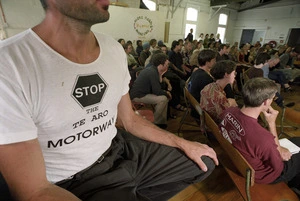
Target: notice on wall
(133,24)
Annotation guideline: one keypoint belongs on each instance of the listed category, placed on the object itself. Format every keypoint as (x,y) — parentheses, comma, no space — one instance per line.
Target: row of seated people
(272,163)
(211,80)
(182,64)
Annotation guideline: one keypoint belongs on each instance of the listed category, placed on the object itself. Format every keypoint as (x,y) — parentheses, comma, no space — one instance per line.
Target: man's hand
(285,153)
(270,115)
(195,150)
(232,102)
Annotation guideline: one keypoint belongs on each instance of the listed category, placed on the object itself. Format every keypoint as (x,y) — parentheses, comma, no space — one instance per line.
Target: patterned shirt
(213,100)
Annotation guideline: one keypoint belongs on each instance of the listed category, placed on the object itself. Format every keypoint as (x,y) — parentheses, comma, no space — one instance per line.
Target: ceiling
(242,5)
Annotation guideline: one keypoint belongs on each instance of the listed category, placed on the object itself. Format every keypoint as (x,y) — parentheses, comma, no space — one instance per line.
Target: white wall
(133,24)
(275,21)
(21,15)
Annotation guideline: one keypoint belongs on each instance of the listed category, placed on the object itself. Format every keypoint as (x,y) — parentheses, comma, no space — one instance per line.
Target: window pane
(188,27)
(223,19)
(221,31)
(192,14)
(150,4)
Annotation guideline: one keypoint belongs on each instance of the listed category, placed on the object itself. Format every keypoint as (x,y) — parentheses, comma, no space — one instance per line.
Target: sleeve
(156,87)
(16,122)
(127,77)
(271,158)
(283,60)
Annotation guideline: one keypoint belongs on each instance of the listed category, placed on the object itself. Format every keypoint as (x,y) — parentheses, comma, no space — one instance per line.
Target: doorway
(294,37)
(247,36)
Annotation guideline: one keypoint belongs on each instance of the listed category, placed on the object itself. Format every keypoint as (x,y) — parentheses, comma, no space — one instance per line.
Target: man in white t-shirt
(62,89)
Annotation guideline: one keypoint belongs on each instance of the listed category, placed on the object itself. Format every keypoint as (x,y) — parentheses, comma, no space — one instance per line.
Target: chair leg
(283,126)
(182,121)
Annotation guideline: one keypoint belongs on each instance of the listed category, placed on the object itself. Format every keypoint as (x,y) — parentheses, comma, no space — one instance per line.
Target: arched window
(150,4)
(191,20)
(192,14)
(223,19)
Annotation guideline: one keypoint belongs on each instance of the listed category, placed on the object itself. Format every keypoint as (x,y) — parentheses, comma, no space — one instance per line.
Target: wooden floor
(218,186)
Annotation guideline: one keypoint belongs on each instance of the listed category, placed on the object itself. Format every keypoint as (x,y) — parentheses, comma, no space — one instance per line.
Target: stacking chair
(191,102)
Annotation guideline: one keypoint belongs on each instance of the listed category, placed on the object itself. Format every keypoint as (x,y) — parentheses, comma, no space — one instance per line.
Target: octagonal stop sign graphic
(89,89)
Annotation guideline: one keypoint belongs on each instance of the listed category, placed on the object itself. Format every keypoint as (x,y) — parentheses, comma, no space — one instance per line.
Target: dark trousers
(291,170)
(134,169)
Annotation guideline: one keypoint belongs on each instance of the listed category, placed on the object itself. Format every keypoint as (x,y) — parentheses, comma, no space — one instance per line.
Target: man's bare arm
(22,166)
(144,129)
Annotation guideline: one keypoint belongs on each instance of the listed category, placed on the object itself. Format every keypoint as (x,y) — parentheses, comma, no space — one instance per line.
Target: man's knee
(210,167)
(162,99)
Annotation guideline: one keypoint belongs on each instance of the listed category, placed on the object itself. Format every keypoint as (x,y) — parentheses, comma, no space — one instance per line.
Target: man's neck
(253,112)
(205,68)
(72,40)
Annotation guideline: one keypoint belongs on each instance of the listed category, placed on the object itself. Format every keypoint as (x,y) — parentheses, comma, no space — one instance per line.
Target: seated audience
(147,88)
(133,52)
(256,70)
(170,83)
(259,146)
(243,54)
(139,47)
(252,54)
(287,66)
(152,43)
(133,65)
(144,54)
(206,41)
(186,53)
(121,41)
(233,54)
(218,38)
(176,61)
(202,77)
(223,51)
(277,76)
(213,97)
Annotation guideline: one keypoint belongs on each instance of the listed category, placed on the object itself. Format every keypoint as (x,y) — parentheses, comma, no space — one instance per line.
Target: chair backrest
(236,158)
(192,101)
(195,104)
(245,75)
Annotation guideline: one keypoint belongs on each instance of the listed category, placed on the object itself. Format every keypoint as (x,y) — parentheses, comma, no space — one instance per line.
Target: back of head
(221,67)
(146,46)
(160,43)
(206,56)
(257,90)
(138,42)
(262,58)
(126,46)
(153,41)
(174,44)
(159,58)
(222,46)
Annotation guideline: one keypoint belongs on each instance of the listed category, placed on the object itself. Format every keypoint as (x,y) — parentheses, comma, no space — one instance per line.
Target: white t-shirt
(71,108)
